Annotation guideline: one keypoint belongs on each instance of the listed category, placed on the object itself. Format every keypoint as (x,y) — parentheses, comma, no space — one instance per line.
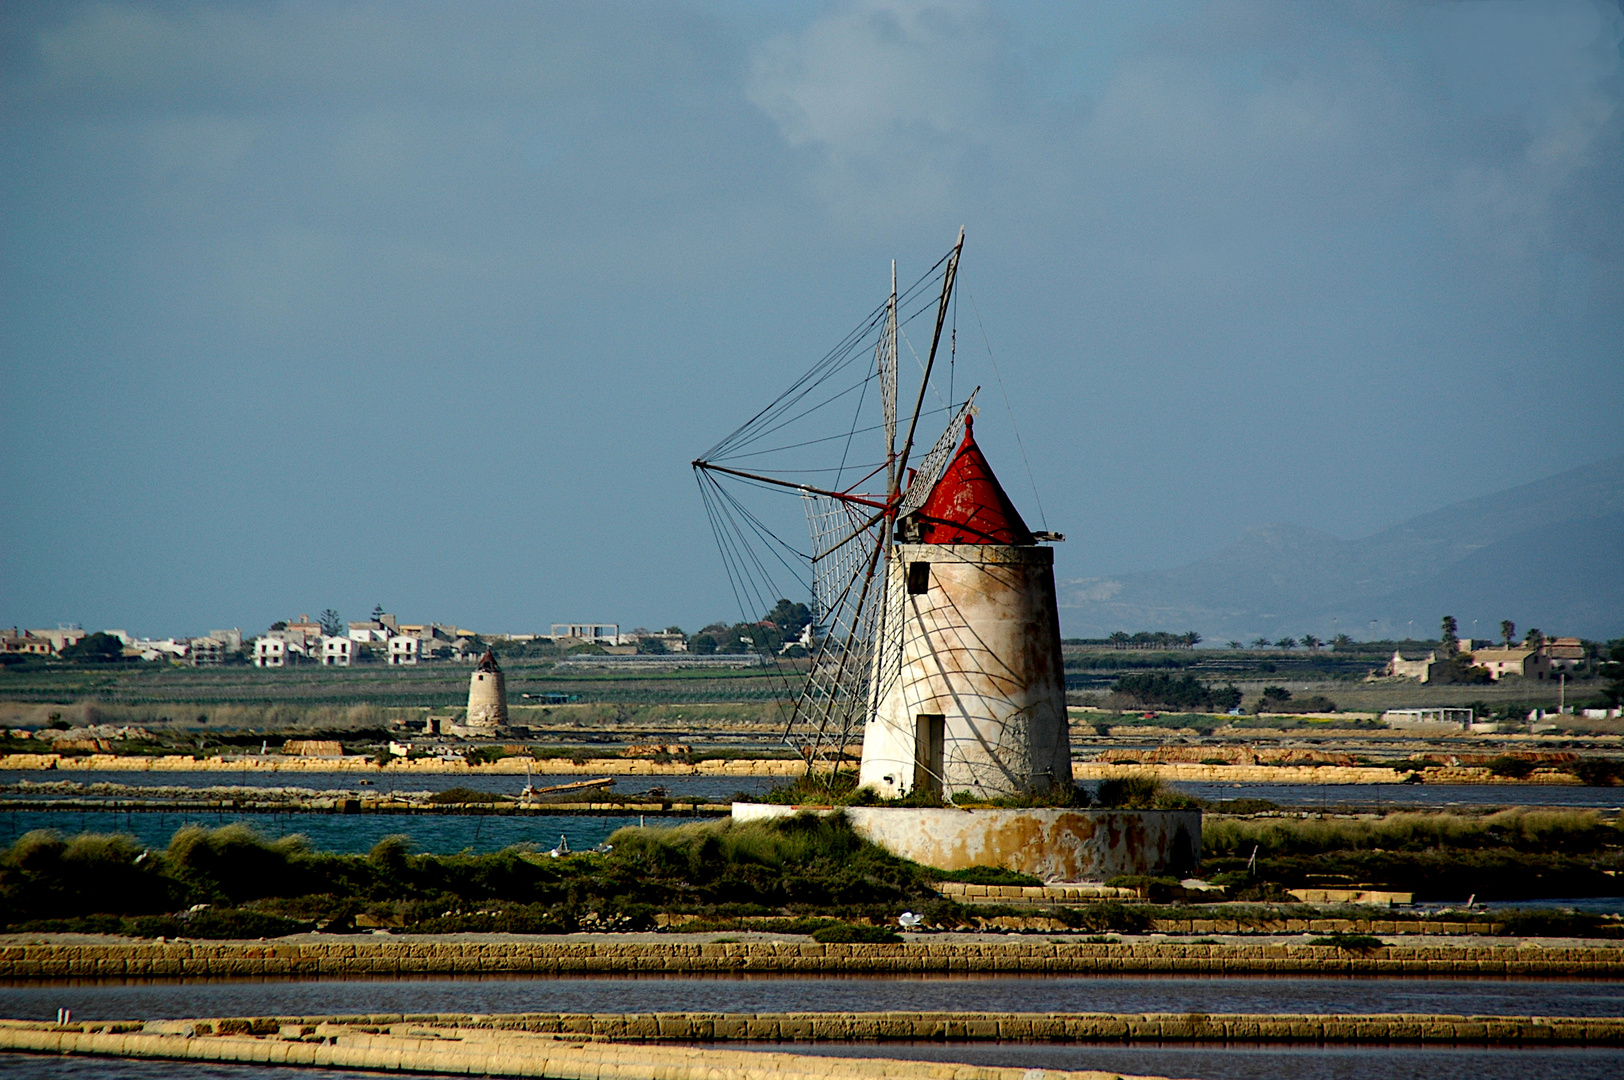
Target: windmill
(851,526)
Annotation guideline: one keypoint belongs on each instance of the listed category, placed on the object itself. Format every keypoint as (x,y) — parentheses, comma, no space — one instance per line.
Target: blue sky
(334,304)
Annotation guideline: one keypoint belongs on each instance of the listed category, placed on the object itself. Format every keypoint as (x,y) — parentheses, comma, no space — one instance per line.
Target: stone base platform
(1054,845)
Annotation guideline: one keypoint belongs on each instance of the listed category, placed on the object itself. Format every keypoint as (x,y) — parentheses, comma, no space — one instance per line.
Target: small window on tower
(918,577)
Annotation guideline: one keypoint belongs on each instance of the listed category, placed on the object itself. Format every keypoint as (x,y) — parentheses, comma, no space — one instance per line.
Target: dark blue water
(1205,1062)
(693,787)
(742,994)
(1252,1062)
(346,833)
(1412,796)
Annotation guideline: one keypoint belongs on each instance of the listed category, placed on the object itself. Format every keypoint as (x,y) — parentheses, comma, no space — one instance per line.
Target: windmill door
(930,738)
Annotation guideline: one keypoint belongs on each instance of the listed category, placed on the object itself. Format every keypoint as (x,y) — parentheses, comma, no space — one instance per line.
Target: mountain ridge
(1546,553)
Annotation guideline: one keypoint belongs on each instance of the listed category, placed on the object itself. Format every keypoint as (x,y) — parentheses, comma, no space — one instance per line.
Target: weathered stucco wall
(980,647)
(1054,845)
(487,699)
(347,957)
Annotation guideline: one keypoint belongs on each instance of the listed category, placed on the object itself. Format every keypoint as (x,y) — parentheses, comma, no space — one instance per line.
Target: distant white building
(207,651)
(159,648)
(369,631)
(70,634)
(1564,653)
(1399,718)
(1420,670)
(404,649)
(337,651)
(587,633)
(278,652)
(1522,660)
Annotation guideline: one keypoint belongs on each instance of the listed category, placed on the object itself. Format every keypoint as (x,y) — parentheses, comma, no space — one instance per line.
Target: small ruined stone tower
(487,696)
(970,695)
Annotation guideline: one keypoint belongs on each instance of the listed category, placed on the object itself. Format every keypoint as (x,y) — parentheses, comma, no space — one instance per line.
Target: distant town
(327,640)
(785,631)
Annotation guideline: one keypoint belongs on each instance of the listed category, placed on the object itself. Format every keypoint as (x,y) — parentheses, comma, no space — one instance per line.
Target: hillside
(1548,553)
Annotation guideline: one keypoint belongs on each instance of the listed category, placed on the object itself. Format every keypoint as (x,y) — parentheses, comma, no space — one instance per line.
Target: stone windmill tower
(969,691)
(487,698)
(937,631)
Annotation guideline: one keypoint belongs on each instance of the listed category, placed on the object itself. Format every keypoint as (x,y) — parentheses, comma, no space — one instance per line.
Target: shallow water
(1246,1062)
(721,789)
(1112,994)
(695,787)
(1204,1062)
(351,833)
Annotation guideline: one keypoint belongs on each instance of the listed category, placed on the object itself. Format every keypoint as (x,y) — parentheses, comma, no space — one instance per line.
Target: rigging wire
(845,451)
(849,347)
(864,430)
(759,563)
(729,538)
(1010,408)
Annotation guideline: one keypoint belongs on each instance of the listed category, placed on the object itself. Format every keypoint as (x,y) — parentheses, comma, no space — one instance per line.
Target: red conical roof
(968,505)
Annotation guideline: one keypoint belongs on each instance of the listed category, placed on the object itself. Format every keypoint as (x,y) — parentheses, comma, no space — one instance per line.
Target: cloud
(889,97)
(562,246)
(1237,118)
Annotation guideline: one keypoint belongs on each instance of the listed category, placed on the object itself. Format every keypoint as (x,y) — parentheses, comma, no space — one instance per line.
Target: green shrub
(847,934)
(988,875)
(1159,889)
(1142,793)
(237,923)
(1506,765)
(1107,915)
(1350,942)
(1598,772)
(1160,690)
(468,795)
(1545,922)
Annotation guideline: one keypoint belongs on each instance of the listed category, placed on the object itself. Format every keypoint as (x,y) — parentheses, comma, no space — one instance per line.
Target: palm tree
(1287,643)
(1508,630)
(1190,639)
(1311,643)
(1235,645)
(1119,640)
(1341,641)
(1261,643)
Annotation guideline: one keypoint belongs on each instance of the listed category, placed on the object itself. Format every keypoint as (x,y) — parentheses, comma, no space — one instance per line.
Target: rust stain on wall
(1053,845)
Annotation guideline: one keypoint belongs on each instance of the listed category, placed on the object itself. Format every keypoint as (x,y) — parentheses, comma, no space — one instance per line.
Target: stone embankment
(514,766)
(989,1026)
(1250,927)
(464,1051)
(400,956)
(1306,774)
(344,804)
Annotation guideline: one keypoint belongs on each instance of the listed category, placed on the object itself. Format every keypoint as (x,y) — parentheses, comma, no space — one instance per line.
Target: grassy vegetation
(1513,854)
(1207,723)
(463,795)
(804,865)
(794,875)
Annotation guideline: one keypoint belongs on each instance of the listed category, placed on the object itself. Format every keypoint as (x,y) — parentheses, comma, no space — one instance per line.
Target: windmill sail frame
(852,534)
